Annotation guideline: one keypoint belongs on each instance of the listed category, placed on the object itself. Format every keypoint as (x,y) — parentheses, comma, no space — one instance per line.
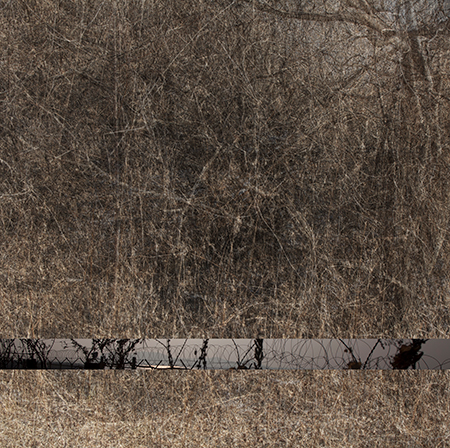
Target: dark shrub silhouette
(408,355)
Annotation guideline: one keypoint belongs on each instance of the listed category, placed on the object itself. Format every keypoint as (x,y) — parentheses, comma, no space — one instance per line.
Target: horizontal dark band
(242,354)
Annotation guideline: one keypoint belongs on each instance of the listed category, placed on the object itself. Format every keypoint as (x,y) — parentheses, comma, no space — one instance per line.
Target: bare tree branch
(356,17)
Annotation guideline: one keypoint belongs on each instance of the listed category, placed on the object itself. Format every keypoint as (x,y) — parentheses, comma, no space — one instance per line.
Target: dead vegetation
(222,408)
(221,170)
(224,169)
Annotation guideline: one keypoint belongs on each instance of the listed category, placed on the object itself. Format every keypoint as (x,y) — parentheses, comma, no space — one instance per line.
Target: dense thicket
(224,169)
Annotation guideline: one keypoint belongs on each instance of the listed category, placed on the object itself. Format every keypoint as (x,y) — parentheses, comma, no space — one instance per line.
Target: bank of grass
(223,409)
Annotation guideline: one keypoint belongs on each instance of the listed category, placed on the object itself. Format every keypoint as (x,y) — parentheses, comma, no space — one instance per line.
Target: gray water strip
(194,354)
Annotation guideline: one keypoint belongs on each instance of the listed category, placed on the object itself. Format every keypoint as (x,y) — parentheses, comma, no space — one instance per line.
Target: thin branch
(356,17)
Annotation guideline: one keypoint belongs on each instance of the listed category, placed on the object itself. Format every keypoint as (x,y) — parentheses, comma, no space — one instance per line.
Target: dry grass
(241,409)
(175,171)
(207,169)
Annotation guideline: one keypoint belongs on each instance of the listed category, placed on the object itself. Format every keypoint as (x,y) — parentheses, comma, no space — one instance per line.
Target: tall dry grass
(204,170)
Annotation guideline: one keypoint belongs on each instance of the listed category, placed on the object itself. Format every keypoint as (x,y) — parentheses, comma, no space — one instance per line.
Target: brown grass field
(224,169)
(222,408)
